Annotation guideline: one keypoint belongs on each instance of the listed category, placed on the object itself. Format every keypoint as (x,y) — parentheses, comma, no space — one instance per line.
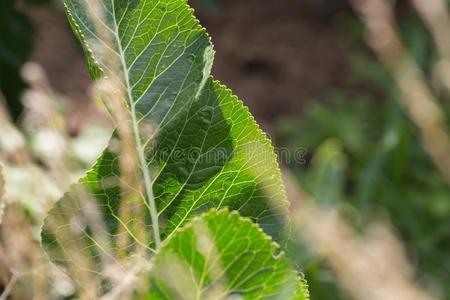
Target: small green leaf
(220,255)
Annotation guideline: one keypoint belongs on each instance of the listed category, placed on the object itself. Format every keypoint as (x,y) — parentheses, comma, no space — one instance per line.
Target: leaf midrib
(139,147)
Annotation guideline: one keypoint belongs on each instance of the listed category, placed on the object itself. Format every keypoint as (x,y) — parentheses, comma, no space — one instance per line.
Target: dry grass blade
(417,98)
(135,176)
(436,17)
(12,142)
(24,269)
(370,267)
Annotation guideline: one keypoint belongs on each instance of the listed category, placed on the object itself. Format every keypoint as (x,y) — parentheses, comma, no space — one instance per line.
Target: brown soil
(274,56)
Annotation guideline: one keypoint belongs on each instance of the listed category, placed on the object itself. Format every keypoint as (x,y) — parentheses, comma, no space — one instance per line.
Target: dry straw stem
(88,271)
(22,260)
(24,270)
(85,271)
(12,142)
(33,178)
(417,98)
(23,267)
(135,175)
(436,17)
(41,116)
(133,283)
(370,267)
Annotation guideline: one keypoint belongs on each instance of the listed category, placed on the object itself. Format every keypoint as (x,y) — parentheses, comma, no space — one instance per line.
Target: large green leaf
(220,255)
(208,150)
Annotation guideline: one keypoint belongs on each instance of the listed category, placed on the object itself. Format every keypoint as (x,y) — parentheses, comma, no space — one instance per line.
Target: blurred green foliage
(16,42)
(206,5)
(366,156)
(15,49)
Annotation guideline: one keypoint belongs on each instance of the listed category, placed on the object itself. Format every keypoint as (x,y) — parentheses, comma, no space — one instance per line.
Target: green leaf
(220,255)
(208,151)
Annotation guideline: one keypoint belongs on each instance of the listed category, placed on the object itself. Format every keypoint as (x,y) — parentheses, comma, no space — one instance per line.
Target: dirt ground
(276,55)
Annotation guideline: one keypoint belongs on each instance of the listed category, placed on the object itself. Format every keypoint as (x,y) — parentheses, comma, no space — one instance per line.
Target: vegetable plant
(189,183)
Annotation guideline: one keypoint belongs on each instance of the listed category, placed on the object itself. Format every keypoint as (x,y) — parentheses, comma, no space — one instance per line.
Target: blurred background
(306,72)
